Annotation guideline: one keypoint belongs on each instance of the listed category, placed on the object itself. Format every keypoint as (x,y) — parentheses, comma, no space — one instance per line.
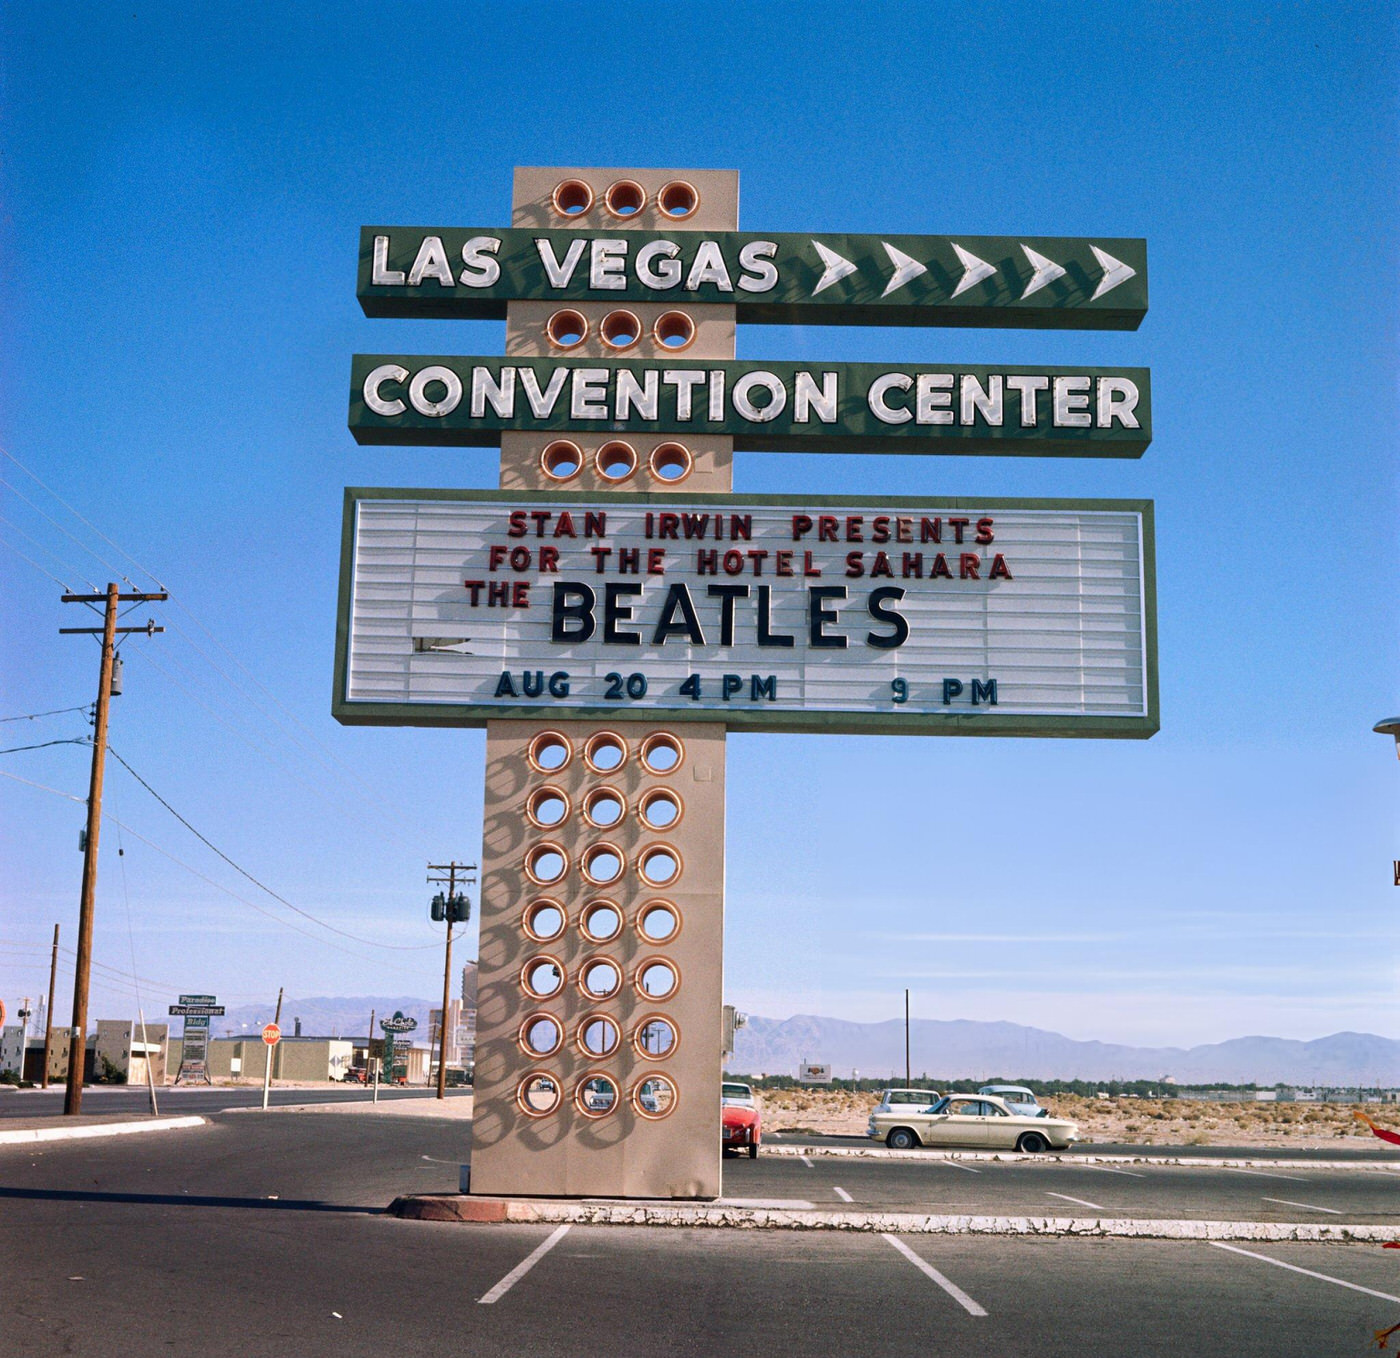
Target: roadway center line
(843,1195)
(1293,1268)
(1260,1174)
(1108,1169)
(951,1288)
(806,1162)
(524,1266)
(1306,1206)
(1080,1201)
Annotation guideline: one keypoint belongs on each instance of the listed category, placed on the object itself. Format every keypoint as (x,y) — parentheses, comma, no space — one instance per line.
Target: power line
(55,712)
(44,745)
(219,886)
(62,584)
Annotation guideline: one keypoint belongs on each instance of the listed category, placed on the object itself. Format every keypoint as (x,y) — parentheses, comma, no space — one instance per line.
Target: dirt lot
(1144,1121)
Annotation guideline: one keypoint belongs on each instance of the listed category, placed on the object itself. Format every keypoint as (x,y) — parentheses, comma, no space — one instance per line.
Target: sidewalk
(21,1131)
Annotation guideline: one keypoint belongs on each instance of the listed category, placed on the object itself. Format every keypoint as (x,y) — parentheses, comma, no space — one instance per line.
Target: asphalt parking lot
(267,1236)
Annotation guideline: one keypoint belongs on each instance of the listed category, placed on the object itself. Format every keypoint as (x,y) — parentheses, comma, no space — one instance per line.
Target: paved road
(265,1236)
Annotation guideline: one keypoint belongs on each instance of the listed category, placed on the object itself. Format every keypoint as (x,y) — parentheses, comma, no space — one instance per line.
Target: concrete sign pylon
(598,1037)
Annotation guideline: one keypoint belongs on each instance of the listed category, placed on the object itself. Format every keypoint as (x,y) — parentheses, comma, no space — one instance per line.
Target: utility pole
(369,1046)
(77,1043)
(453,914)
(908,1079)
(48,1010)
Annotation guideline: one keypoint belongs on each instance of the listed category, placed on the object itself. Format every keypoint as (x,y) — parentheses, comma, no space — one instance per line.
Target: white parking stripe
(951,1288)
(1260,1174)
(958,1164)
(1080,1201)
(806,1162)
(524,1266)
(1293,1268)
(1108,1169)
(843,1195)
(1306,1206)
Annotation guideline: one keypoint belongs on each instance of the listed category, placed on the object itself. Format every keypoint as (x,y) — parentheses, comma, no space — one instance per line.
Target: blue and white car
(1018,1099)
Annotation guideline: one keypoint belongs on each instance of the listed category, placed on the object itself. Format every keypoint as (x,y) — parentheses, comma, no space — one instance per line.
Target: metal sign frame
(952,722)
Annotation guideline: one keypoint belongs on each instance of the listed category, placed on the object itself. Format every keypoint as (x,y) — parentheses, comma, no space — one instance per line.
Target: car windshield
(733,1093)
(941,1106)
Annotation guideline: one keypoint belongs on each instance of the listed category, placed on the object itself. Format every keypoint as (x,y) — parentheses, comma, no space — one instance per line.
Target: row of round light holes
(605,752)
(625,198)
(604,807)
(655,1038)
(672,330)
(603,864)
(616,461)
(595,1096)
(600,978)
(600,921)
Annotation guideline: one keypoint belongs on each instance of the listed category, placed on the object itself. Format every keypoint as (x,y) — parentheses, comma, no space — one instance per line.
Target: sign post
(271,1036)
(196,1010)
(614,608)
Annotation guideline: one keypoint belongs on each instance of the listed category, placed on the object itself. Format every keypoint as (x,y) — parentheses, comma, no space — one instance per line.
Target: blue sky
(182,191)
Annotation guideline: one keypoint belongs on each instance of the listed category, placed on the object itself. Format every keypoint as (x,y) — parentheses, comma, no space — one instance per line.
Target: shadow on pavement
(185,1200)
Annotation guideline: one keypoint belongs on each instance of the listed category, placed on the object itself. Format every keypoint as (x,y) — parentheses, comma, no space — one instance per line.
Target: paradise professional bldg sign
(786,613)
(796,407)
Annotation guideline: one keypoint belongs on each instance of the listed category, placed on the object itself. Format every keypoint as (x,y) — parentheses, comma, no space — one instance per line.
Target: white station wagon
(971,1122)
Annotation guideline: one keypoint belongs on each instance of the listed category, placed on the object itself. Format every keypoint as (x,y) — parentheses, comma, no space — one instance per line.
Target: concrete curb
(516,1211)
(1016,1158)
(27,1135)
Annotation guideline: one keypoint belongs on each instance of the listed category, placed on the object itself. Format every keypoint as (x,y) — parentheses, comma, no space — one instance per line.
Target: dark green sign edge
(831,723)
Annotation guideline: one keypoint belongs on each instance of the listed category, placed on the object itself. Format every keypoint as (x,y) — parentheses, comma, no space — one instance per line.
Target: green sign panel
(766,406)
(1037,282)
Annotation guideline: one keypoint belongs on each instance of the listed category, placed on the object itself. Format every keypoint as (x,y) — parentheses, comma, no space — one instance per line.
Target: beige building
(306,1059)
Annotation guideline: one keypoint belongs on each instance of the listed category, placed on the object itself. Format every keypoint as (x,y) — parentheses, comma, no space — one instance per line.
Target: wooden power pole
(77,1039)
(48,1010)
(451,869)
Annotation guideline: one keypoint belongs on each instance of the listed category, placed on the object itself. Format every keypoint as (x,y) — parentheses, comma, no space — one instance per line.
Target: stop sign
(272,1034)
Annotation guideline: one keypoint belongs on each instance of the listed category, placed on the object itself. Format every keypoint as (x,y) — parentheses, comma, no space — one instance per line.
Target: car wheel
(901,1139)
(753,1152)
(1032,1143)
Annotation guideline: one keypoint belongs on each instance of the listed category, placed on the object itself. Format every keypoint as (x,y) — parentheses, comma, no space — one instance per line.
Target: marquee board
(1038,282)
(767,406)
(783,613)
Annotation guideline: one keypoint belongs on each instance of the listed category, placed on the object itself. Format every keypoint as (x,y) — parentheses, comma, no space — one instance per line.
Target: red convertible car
(740,1119)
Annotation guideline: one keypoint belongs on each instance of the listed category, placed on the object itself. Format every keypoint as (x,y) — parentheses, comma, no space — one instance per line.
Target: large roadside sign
(781,613)
(1039,282)
(766,406)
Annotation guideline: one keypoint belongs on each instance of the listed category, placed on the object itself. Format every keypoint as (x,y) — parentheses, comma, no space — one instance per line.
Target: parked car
(975,1122)
(740,1121)
(1018,1099)
(892,1100)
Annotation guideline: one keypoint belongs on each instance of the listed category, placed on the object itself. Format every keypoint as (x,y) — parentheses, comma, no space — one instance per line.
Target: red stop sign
(272,1034)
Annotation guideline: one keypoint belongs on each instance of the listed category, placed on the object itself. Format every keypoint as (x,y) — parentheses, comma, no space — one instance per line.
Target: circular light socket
(540,1035)
(566,328)
(596,1095)
(605,752)
(670,462)
(658,921)
(600,921)
(602,864)
(625,198)
(615,461)
(655,1097)
(662,753)
(620,329)
(678,199)
(604,807)
(542,977)
(571,198)
(657,978)
(549,752)
(656,1037)
(600,978)
(674,331)
(538,1095)
(561,460)
(546,864)
(547,807)
(545,919)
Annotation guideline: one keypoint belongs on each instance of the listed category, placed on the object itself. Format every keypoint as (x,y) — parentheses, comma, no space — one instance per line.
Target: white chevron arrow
(1046,271)
(837,268)
(904,268)
(1114,272)
(974,270)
